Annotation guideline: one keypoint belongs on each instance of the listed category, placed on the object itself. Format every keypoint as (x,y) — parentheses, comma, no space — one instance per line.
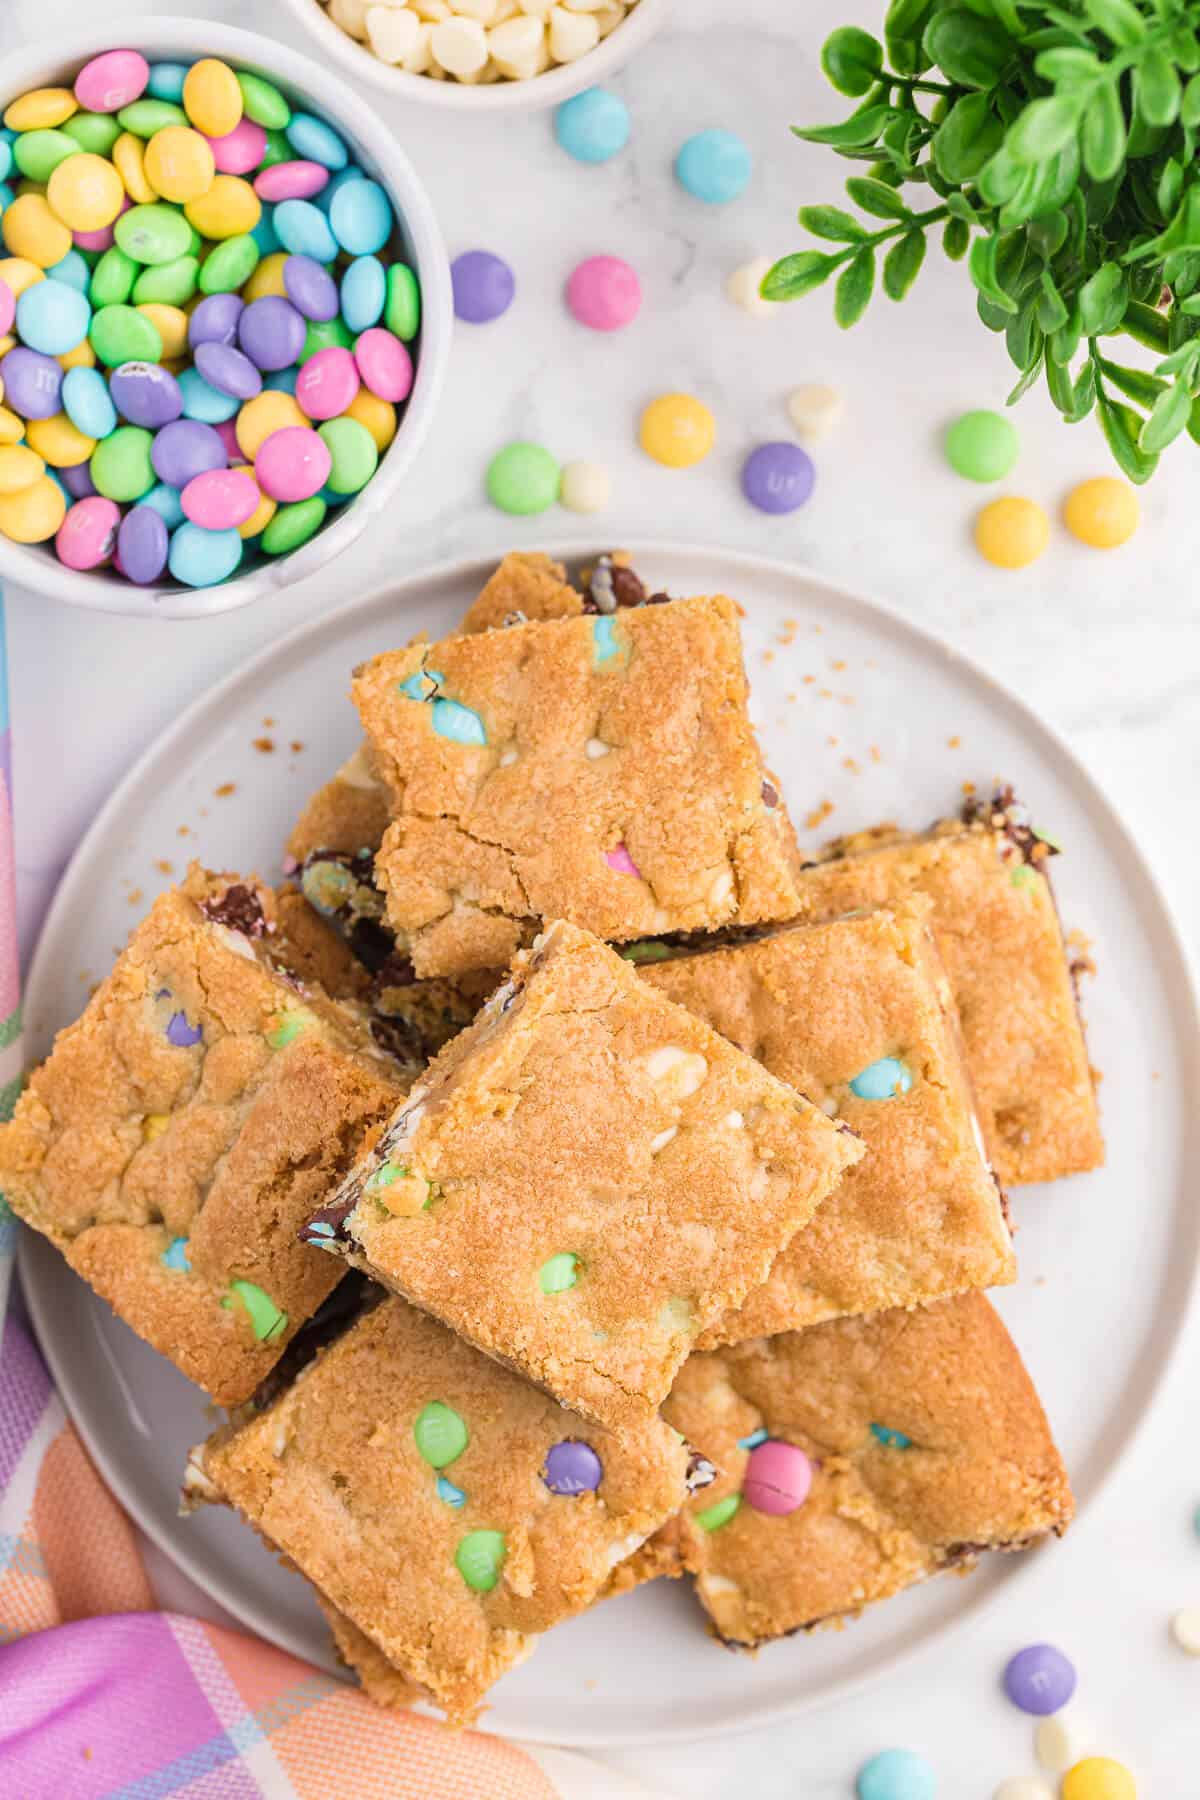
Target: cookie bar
(858,1458)
(601,769)
(585,1179)
(858,1015)
(449,1511)
(999,934)
(185,1126)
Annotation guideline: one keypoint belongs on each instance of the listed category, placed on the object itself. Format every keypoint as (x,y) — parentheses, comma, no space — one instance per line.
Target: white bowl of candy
(499,54)
(93,558)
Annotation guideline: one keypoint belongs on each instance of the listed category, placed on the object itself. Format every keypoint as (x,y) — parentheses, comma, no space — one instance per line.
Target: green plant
(1057,146)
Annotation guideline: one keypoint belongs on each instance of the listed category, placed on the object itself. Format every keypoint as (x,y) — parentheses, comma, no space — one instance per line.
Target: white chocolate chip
(350,16)
(1062,1740)
(596,747)
(1185,1629)
(459,46)
(743,289)
(733,1121)
(393,34)
(663,1139)
(235,941)
(436,10)
(356,771)
(582,6)
(508,756)
(585,487)
(623,1549)
(505,9)
(280,1443)
(483,10)
(715,1585)
(829,1105)
(571,34)
(1023,1787)
(675,1073)
(515,45)
(815,410)
(608,18)
(720,891)
(537,9)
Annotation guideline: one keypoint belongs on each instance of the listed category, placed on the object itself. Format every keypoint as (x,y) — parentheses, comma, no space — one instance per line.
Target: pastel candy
(114,79)
(777,1479)
(219,499)
(200,558)
(882,1080)
(572,1467)
(86,537)
(143,543)
(327,383)
(479,1559)
(293,464)
(384,364)
(441,1434)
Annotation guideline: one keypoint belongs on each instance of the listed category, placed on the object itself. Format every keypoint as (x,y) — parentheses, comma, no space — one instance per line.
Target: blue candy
(446,1490)
(53,317)
(6,196)
(73,270)
(166,503)
(360,216)
(604,642)
(264,234)
(315,141)
(166,80)
(592,126)
(896,1775)
(6,158)
(201,400)
(201,558)
(324,200)
(892,1440)
(304,230)
(87,402)
(715,166)
(364,290)
(458,723)
(754,1440)
(423,685)
(175,1256)
(283,379)
(882,1080)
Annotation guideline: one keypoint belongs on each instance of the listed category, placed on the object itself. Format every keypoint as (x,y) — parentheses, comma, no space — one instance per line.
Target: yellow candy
(34,514)
(1099,1778)
(12,427)
(18,273)
(85,192)
(41,110)
(7,343)
(212,98)
(81,357)
(1012,532)
(129,154)
(1103,513)
(171,323)
(19,468)
(62,444)
(677,430)
(267,278)
(32,231)
(263,513)
(153,1126)
(229,208)
(378,416)
(179,164)
(267,412)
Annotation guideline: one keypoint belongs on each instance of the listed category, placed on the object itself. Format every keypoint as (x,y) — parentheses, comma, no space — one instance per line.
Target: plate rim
(574,550)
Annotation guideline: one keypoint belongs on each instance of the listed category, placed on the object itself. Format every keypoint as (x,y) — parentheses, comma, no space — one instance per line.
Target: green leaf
(1103,300)
(1156,87)
(853,293)
(902,264)
(1063,343)
(1170,187)
(1000,178)
(904,33)
(1146,326)
(1028,377)
(1119,20)
(1123,427)
(991,315)
(981,266)
(862,128)
(1085,393)
(1103,137)
(1143,389)
(1052,311)
(1189,110)
(851,60)
(1043,128)
(956,239)
(876,198)
(1061,386)
(794,276)
(969,136)
(959,207)
(1181,361)
(972,52)
(1066,65)
(1168,420)
(1024,337)
(1191,306)
(1184,48)
(1048,234)
(832,223)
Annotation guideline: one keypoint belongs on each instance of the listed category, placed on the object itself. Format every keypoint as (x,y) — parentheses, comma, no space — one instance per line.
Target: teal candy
(754,1440)
(6,197)
(6,158)
(201,558)
(422,685)
(458,723)
(360,216)
(265,236)
(896,1775)
(892,1440)
(303,230)
(604,641)
(453,1496)
(363,293)
(882,1080)
(714,166)
(324,200)
(203,401)
(166,503)
(53,317)
(166,81)
(315,141)
(284,380)
(592,126)
(175,1256)
(73,271)
(327,495)
(87,403)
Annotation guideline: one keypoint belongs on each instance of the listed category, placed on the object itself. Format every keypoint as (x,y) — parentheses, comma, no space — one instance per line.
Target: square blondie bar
(448,1511)
(999,935)
(585,1179)
(856,1459)
(185,1126)
(601,769)
(858,1015)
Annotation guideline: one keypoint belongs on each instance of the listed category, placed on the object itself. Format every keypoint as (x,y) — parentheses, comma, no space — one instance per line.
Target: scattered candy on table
(982,446)
(523,479)
(1103,513)
(604,292)
(1012,533)
(743,288)
(896,1775)
(592,126)
(1098,1778)
(484,286)
(585,487)
(815,410)
(1062,1739)
(1185,1629)
(1039,1679)
(677,430)
(714,166)
(205,281)
(477,41)
(778,477)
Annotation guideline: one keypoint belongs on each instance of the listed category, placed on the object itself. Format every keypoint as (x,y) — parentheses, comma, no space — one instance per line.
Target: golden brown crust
(921,1216)
(982,1471)
(528,584)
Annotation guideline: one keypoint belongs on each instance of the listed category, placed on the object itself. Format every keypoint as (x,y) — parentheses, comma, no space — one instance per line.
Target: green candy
(322,333)
(96,132)
(293,525)
(38,153)
(559,1273)
(353,456)
(172,284)
(647,950)
(233,262)
(113,279)
(290,1025)
(263,102)
(480,1558)
(402,308)
(982,446)
(523,479)
(267,1320)
(278,150)
(145,117)
(118,334)
(155,233)
(120,466)
(441,1434)
(713,1517)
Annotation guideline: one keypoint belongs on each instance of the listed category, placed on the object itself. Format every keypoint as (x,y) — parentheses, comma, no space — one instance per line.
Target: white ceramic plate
(860,709)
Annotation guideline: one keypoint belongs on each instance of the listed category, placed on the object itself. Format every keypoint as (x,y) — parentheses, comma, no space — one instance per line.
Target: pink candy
(620,860)
(241,149)
(88,533)
(111,81)
(327,383)
(291,181)
(226,430)
(292,464)
(384,364)
(778,1477)
(103,239)
(221,498)
(605,293)
(8,308)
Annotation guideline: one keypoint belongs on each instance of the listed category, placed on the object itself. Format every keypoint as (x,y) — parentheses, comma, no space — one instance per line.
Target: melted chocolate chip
(628,588)
(1004,812)
(239,908)
(396,971)
(770,793)
(398,1037)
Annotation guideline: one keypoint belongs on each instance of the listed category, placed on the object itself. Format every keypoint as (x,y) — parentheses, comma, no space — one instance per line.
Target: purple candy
(228,370)
(777,478)
(179,1032)
(310,288)
(215,320)
(484,286)
(1040,1679)
(186,448)
(78,481)
(142,545)
(572,1467)
(32,383)
(272,333)
(145,394)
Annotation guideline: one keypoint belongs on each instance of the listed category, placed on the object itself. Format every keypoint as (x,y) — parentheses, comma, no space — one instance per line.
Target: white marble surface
(1107,647)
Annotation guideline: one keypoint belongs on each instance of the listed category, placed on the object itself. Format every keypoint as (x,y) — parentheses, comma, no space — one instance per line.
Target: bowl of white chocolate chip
(473,53)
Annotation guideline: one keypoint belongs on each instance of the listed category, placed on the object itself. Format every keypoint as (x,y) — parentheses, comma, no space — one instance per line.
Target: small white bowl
(555,84)
(309,87)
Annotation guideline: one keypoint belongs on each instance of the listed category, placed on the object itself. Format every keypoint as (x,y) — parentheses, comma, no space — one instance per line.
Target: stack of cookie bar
(559,1183)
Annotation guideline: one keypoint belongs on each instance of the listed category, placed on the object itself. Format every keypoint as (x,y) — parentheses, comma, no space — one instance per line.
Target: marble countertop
(1107,648)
